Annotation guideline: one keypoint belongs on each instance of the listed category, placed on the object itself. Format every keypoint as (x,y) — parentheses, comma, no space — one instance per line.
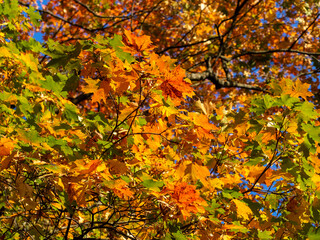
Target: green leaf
(71,112)
(254,161)
(67,150)
(60,145)
(307,146)
(5,96)
(31,135)
(52,167)
(51,85)
(265,235)
(254,206)
(102,39)
(153,185)
(57,62)
(149,182)
(179,236)
(288,165)
(231,194)
(307,111)
(24,106)
(31,45)
(289,101)
(268,101)
(77,50)
(72,83)
(124,100)
(116,43)
(257,106)
(126,179)
(10,8)
(34,15)
(312,130)
(142,121)
(63,55)
(168,237)
(313,234)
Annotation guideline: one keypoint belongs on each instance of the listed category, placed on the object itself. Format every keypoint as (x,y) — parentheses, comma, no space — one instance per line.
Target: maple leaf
(146,151)
(169,90)
(5,163)
(297,89)
(88,168)
(121,189)
(187,198)
(117,167)
(6,146)
(26,193)
(301,90)
(198,172)
(135,44)
(175,84)
(242,209)
(204,128)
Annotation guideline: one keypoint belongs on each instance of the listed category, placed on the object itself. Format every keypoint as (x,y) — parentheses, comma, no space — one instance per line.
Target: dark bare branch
(270,51)
(221,83)
(300,36)
(96,14)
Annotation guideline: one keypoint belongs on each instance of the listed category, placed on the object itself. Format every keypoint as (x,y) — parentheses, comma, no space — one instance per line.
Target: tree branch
(274,51)
(292,45)
(221,83)
(97,15)
(80,98)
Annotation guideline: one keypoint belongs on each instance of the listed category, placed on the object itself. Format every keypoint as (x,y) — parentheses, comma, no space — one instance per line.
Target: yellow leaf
(216,183)
(105,174)
(198,172)
(242,209)
(316,180)
(292,127)
(267,135)
(4,52)
(91,87)
(30,61)
(302,90)
(202,107)
(298,89)
(226,237)
(180,170)
(134,43)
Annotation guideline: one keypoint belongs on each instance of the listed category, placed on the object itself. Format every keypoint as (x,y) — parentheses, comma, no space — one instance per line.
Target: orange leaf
(187,198)
(90,167)
(26,193)
(137,43)
(6,146)
(117,167)
(5,163)
(121,189)
(169,90)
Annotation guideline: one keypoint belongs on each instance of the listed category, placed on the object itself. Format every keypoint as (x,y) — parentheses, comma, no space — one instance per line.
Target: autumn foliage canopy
(159,119)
